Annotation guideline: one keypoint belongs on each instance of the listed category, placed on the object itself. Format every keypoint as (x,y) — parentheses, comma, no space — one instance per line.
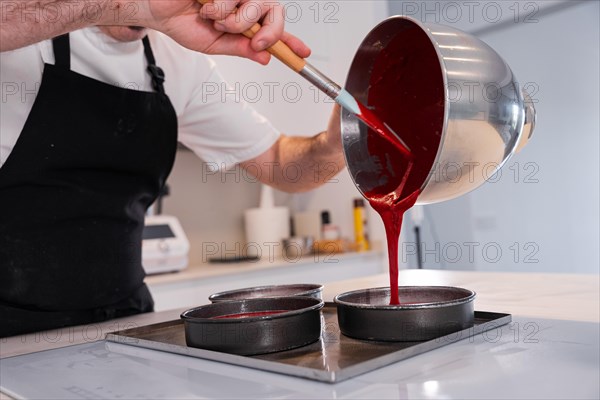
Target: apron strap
(158,75)
(62,51)
(62,54)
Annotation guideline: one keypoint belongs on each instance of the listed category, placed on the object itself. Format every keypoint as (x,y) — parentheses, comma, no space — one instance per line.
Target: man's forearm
(297,164)
(24,22)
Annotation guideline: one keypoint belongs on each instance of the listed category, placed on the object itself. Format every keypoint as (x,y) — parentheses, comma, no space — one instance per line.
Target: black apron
(91,158)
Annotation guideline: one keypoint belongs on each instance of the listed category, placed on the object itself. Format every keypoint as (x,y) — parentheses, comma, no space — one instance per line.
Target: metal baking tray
(334,358)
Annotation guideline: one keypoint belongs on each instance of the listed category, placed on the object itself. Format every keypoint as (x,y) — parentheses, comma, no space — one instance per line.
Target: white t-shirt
(222,133)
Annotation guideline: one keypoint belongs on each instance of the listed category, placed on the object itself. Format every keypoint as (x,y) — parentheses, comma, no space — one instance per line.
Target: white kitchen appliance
(165,246)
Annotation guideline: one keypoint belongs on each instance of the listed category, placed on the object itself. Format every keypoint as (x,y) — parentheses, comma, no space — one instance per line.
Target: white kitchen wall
(542,213)
(552,206)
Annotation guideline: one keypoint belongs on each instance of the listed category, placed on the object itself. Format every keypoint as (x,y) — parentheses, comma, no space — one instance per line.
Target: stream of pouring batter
(407,91)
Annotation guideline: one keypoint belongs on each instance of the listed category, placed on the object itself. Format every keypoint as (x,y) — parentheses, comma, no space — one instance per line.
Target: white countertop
(551,350)
(210,270)
(574,297)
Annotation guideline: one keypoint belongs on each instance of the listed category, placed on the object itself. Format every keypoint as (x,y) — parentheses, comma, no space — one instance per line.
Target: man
(84,153)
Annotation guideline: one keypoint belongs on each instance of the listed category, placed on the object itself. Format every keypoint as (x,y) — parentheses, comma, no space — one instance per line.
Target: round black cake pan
(425,313)
(296,323)
(300,289)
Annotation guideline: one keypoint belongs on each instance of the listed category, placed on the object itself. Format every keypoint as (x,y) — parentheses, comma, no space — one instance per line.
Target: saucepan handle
(530,120)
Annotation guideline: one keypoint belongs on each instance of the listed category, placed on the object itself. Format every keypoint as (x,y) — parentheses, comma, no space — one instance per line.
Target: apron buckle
(158,77)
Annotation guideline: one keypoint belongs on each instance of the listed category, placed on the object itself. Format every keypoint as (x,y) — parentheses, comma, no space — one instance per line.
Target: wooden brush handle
(279,50)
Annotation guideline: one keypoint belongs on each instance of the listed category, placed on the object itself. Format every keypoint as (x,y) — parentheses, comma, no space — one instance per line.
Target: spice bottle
(360,226)
(328,230)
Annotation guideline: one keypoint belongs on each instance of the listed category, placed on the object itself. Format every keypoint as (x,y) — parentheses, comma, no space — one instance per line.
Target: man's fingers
(269,13)
(271,16)
(233,44)
(272,28)
(218,9)
(244,18)
(296,45)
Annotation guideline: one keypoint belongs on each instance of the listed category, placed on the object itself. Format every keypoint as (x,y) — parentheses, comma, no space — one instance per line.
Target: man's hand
(212,29)
(216,28)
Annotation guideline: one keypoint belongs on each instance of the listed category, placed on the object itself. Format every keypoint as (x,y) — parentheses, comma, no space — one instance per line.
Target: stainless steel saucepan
(487,116)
